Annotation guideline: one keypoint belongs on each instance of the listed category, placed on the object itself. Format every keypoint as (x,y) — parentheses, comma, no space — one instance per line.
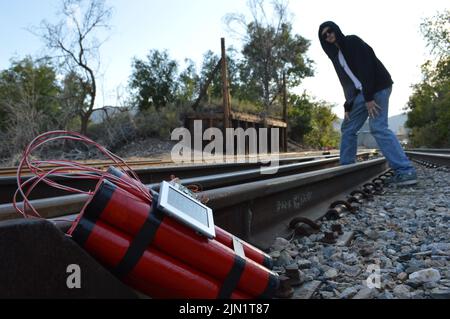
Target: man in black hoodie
(367,87)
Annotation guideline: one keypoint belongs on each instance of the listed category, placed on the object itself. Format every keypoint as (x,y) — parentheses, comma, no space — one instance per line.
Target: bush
(123,127)
(23,126)
(114,131)
(152,123)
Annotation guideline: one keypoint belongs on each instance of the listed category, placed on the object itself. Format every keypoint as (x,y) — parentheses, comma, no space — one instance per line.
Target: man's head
(329,35)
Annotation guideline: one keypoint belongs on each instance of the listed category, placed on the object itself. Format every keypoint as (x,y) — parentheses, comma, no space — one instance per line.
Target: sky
(188,28)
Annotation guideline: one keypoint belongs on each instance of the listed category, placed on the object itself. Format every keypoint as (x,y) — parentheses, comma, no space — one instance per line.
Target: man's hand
(373,109)
(347,116)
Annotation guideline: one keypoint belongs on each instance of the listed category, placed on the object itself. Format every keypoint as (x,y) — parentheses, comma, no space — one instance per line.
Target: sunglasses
(326,33)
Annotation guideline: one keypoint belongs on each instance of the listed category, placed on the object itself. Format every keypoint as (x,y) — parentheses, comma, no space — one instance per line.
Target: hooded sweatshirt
(361,60)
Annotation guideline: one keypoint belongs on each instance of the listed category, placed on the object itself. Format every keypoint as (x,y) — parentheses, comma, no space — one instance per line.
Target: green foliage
(429,105)
(122,127)
(117,130)
(188,84)
(270,50)
(322,132)
(268,53)
(429,116)
(436,31)
(28,84)
(154,80)
(299,116)
(151,123)
(75,43)
(215,89)
(73,99)
(311,122)
(29,103)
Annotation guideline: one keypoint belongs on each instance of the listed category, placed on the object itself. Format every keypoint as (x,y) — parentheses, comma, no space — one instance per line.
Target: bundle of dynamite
(123,228)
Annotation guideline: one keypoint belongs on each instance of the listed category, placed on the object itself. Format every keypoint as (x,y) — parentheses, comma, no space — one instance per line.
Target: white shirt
(349,72)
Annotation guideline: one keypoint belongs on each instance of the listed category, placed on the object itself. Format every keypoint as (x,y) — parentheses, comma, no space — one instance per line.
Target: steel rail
(8,185)
(61,205)
(237,177)
(256,211)
(440,159)
(11,171)
(260,211)
(430,150)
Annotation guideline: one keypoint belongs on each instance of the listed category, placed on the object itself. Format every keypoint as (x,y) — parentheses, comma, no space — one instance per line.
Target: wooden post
(226,96)
(284,132)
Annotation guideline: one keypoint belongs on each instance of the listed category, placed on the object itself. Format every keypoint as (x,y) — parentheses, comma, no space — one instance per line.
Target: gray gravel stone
(328,251)
(440,293)
(274,254)
(402,276)
(348,293)
(386,295)
(280,244)
(371,234)
(327,294)
(303,264)
(284,259)
(402,292)
(331,273)
(366,293)
(405,232)
(425,276)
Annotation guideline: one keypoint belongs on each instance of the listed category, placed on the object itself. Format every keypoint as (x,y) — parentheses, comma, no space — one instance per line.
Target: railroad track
(155,174)
(252,206)
(258,208)
(11,171)
(430,158)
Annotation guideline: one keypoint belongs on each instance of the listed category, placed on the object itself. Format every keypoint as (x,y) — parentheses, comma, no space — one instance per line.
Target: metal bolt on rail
(285,289)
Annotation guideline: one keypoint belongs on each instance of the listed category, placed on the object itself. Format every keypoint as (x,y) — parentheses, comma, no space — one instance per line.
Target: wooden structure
(231,119)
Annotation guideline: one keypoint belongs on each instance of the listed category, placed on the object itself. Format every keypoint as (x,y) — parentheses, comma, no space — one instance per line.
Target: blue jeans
(386,140)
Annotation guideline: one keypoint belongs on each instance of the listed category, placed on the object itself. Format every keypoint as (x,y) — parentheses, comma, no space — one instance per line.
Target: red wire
(70,170)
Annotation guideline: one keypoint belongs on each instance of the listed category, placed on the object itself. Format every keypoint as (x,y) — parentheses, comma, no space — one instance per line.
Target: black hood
(330,49)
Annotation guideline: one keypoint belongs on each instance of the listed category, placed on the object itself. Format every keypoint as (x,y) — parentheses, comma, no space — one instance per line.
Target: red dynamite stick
(222,236)
(128,213)
(156,274)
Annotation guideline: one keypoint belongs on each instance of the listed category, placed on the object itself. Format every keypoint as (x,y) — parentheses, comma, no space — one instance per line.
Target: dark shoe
(403,179)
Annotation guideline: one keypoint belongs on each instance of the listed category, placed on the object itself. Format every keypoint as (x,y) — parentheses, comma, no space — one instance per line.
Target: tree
(189,83)
(429,105)
(72,98)
(436,31)
(154,81)
(215,89)
(322,133)
(73,39)
(299,116)
(30,84)
(270,50)
(29,102)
